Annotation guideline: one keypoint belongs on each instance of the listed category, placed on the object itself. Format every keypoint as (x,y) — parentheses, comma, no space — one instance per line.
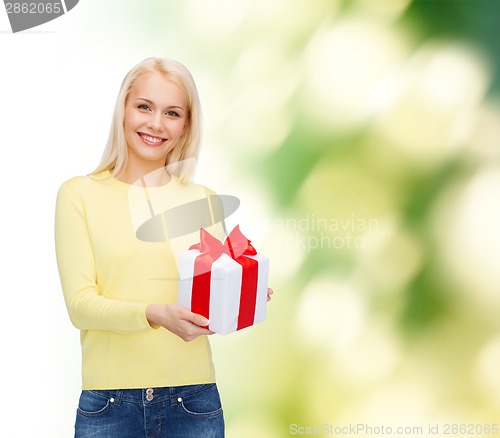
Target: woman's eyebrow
(175,106)
(145,100)
(152,103)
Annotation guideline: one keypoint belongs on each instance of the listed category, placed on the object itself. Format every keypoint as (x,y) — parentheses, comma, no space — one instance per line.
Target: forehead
(157,88)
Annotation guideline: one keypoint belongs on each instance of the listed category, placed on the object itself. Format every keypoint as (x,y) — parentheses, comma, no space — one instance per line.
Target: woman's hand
(180,321)
(269,293)
(177,319)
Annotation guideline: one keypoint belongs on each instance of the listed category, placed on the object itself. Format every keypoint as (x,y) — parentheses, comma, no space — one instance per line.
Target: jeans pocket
(204,402)
(93,402)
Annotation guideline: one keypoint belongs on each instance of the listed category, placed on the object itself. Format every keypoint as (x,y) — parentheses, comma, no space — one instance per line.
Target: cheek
(131,121)
(179,128)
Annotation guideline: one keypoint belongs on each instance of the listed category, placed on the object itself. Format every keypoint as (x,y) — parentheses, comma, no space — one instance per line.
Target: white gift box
(225,289)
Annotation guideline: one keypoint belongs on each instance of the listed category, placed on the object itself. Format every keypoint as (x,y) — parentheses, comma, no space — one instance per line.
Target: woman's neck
(153,178)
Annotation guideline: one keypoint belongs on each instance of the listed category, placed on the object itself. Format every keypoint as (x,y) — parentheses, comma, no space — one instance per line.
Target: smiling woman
(147,365)
(158,99)
(155,119)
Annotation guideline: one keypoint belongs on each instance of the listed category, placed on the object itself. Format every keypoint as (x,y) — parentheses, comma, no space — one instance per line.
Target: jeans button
(149,391)
(149,397)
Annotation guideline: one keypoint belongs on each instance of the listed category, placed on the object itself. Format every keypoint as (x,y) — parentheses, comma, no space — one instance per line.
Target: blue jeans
(173,412)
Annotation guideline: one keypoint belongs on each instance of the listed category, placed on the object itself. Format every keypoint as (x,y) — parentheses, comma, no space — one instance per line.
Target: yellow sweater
(109,276)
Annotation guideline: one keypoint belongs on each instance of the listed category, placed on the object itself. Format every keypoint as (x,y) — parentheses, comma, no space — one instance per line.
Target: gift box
(225,282)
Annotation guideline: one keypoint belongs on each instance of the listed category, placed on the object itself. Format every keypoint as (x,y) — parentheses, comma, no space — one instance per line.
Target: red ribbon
(236,246)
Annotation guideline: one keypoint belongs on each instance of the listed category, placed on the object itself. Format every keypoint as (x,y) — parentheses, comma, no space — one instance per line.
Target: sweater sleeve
(88,309)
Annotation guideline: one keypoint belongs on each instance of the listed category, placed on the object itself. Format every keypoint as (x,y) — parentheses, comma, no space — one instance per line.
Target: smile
(151,140)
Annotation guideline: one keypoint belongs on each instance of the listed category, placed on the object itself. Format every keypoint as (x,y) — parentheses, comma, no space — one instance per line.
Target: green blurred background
(363,139)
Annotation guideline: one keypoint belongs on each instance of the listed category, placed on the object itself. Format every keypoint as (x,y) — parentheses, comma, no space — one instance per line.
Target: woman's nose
(154,122)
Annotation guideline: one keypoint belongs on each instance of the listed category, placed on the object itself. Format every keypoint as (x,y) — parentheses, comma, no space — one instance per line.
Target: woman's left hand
(269,293)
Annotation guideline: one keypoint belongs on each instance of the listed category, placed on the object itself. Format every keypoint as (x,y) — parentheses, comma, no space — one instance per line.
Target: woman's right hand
(177,319)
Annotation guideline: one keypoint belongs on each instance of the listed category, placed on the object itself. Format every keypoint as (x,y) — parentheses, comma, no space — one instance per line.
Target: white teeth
(151,139)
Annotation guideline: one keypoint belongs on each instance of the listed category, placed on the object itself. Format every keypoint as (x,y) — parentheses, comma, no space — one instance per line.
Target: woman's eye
(172,114)
(143,107)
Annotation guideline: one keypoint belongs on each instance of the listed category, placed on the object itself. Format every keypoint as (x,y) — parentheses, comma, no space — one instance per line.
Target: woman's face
(156,116)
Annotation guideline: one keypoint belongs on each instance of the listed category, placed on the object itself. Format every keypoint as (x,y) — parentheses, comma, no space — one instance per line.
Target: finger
(199,320)
(198,331)
(269,291)
(190,331)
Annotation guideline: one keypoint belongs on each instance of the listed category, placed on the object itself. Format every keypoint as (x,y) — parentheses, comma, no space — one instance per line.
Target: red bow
(234,246)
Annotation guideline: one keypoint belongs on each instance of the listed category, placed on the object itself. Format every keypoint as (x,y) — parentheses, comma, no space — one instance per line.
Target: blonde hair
(182,159)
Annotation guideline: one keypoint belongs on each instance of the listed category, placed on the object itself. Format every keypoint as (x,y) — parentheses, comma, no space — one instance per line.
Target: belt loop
(172,391)
(118,397)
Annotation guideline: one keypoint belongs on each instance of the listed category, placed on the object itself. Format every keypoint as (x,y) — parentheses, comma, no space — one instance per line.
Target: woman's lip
(142,136)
